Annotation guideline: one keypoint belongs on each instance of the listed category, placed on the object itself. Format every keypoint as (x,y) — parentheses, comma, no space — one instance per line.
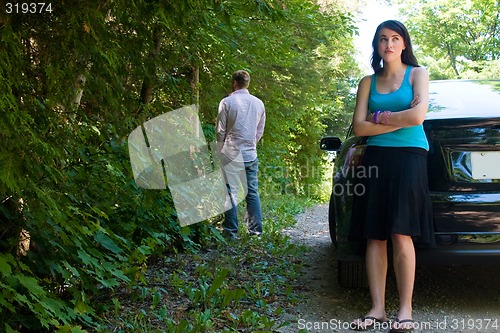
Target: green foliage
(228,287)
(482,70)
(462,35)
(75,82)
(302,72)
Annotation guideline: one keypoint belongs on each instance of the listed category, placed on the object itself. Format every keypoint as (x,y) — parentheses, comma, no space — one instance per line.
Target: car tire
(352,274)
(332,221)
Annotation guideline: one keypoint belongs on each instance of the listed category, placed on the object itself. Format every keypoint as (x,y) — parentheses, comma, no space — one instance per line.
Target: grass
(232,286)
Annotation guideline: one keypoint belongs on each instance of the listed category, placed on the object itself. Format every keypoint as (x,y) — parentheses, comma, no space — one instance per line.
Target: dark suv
(463,130)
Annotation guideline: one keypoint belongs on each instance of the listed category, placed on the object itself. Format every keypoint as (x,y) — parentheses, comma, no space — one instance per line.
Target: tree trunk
(80,82)
(195,85)
(453,60)
(147,91)
(147,84)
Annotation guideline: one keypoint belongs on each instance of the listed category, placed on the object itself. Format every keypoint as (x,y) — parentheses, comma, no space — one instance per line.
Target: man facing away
(240,125)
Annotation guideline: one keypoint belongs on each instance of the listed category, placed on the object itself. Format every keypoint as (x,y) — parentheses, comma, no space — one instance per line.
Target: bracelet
(384,117)
(375,117)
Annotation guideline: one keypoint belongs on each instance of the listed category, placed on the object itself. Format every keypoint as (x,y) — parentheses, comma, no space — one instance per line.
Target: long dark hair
(407,57)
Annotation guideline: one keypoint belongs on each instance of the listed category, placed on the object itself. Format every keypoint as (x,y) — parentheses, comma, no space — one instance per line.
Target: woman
(390,108)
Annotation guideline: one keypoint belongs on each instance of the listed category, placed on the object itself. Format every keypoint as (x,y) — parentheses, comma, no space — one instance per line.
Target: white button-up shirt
(240,125)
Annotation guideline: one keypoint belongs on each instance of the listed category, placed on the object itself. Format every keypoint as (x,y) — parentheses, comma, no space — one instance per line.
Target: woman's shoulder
(418,70)
(419,73)
(365,82)
(367,79)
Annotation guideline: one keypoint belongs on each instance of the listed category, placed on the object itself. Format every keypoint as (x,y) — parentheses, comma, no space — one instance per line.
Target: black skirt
(395,197)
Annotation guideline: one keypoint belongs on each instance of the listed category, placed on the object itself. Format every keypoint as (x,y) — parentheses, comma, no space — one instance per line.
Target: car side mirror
(330,143)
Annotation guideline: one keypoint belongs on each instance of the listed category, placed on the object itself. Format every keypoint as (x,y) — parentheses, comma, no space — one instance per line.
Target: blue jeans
(253,211)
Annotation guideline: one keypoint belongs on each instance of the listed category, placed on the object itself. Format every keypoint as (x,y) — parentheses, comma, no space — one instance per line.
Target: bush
(77,80)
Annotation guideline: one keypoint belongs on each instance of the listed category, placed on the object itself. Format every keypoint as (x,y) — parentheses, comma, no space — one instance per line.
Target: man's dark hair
(407,57)
(242,78)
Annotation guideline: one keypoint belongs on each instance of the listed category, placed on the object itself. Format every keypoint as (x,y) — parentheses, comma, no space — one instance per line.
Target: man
(240,125)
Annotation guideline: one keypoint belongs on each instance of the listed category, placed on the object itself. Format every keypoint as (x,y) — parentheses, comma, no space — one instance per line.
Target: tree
(466,33)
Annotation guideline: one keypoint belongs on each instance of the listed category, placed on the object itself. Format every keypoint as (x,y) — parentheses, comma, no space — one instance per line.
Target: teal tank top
(395,101)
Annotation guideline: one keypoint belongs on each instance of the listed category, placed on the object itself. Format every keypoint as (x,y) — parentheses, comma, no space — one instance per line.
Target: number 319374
(28,8)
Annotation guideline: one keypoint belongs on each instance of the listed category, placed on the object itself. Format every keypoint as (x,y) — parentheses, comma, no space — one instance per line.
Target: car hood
(450,99)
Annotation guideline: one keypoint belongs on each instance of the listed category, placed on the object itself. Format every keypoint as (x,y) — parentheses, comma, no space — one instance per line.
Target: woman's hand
(370,117)
(415,101)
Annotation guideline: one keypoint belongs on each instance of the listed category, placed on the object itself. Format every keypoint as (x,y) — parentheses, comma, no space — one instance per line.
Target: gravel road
(446,298)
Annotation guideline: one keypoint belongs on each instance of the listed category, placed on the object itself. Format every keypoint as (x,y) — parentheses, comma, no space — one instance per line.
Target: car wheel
(352,274)
(332,222)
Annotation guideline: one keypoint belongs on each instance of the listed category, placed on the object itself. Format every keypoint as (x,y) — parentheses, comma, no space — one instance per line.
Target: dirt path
(446,298)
